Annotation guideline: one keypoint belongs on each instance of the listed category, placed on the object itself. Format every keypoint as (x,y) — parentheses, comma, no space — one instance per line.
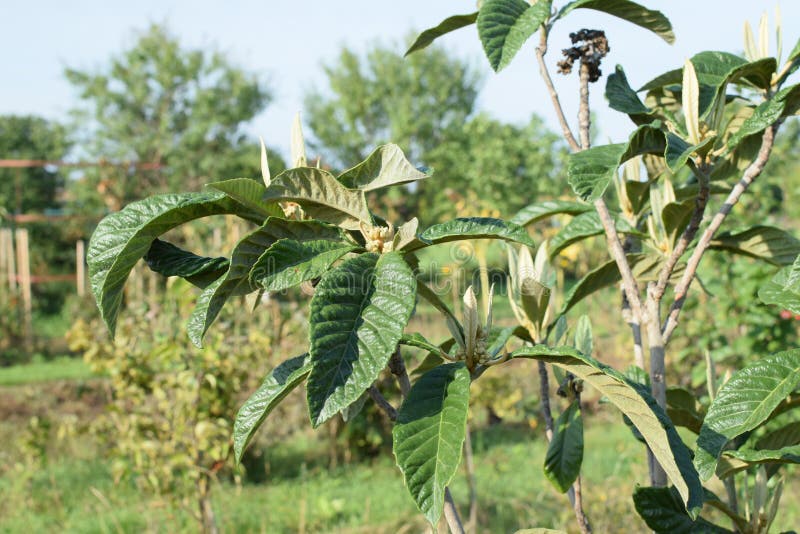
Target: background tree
(158,102)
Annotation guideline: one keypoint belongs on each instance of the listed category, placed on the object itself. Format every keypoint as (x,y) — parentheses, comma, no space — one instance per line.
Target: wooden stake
(11,270)
(24,279)
(80,267)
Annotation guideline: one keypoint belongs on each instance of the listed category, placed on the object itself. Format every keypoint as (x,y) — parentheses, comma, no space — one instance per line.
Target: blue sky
(288,41)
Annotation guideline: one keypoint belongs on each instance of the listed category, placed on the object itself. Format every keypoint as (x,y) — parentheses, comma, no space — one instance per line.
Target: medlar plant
(702,131)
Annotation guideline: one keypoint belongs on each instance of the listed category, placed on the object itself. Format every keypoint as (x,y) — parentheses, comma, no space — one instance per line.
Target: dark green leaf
(743,403)
(623,98)
(541,210)
(446,26)
(663,511)
(122,238)
(429,433)
(785,455)
(278,383)
(590,171)
(250,193)
(784,288)
(244,256)
(168,260)
(785,436)
(767,113)
(419,341)
(649,19)
(505,25)
(682,409)
(289,262)
(321,195)
(678,151)
(581,227)
(562,464)
(767,243)
(385,166)
(474,228)
(641,408)
(358,313)
(676,217)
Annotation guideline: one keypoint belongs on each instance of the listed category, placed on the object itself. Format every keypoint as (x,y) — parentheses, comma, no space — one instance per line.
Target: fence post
(24,279)
(80,267)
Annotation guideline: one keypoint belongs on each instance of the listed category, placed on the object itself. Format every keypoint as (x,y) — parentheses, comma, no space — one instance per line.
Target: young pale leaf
(663,511)
(298,145)
(767,243)
(584,341)
(249,193)
(505,25)
(655,21)
(168,260)
(278,383)
(265,175)
(691,102)
(429,434)
(289,262)
(321,196)
(541,210)
(358,313)
(406,235)
(446,26)
(590,172)
(743,403)
(473,228)
(784,288)
(640,407)
(385,166)
(122,238)
(750,50)
(562,464)
(245,254)
(582,227)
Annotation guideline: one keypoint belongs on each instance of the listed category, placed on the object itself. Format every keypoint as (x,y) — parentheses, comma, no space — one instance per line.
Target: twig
(541,50)
(472,484)
(701,201)
(382,403)
(451,514)
(584,117)
(544,386)
(398,368)
(658,384)
(750,174)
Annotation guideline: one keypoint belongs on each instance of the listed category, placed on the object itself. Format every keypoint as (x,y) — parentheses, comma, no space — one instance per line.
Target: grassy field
(62,368)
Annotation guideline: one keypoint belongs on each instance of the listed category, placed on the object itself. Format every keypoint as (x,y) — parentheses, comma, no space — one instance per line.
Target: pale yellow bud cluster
(293,211)
(379,238)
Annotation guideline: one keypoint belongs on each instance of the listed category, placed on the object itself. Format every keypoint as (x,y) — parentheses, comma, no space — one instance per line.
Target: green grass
(62,368)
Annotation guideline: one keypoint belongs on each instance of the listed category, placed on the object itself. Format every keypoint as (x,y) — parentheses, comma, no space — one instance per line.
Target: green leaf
(385,166)
(676,217)
(678,151)
(289,262)
(784,103)
(581,227)
(640,407)
(785,436)
(785,455)
(541,210)
(474,228)
(743,403)
(621,97)
(429,434)
(663,511)
(124,237)
(321,195)
(168,260)
(682,409)
(767,243)
(584,341)
(358,313)
(505,25)
(249,193)
(717,69)
(446,26)
(562,464)
(436,301)
(277,384)
(590,171)
(244,256)
(784,288)
(649,19)
(418,340)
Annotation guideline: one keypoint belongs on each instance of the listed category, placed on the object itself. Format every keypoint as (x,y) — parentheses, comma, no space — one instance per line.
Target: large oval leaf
(541,210)
(743,403)
(562,463)
(652,20)
(277,384)
(581,227)
(358,313)
(621,97)
(473,228)
(289,262)
(168,260)
(245,254)
(505,25)
(767,243)
(784,288)
(250,193)
(321,196)
(124,237)
(640,407)
(446,26)
(662,510)
(429,434)
(385,166)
